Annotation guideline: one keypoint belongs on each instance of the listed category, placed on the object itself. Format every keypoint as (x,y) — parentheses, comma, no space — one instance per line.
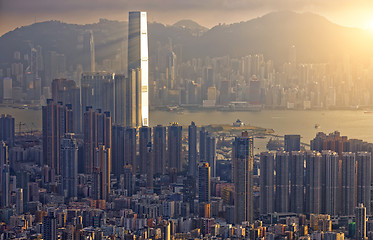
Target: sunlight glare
(369,25)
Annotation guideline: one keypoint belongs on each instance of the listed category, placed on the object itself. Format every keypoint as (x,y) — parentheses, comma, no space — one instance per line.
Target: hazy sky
(16,13)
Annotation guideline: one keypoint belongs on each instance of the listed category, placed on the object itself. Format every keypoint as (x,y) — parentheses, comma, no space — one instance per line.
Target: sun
(369,25)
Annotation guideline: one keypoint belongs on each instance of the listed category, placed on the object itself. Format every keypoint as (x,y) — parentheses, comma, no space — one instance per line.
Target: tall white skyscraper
(138,60)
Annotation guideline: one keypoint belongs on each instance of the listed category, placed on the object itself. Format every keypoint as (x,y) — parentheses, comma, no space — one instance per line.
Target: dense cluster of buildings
(117,182)
(101,171)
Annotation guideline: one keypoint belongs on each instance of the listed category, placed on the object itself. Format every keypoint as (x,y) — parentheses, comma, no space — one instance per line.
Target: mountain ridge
(315,37)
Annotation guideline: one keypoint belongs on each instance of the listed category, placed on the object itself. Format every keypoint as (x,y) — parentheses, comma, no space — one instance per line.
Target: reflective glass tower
(138,60)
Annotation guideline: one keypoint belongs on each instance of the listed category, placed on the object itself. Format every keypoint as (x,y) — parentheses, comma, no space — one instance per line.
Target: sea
(356,124)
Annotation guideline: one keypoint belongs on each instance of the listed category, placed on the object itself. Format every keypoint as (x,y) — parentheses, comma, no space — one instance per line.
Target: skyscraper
(211,153)
(145,134)
(120,99)
(69,166)
(97,91)
(5,186)
(67,92)
(243,159)
(348,183)
(192,149)
(189,191)
(364,178)
(146,154)
(297,182)
(174,147)
(57,120)
(292,143)
(128,180)
(202,144)
(86,55)
(117,150)
(7,129)
(266,182)
(361,222)
(19,201)
(150,162)
(92,51)
(50,225)
(330,182)
(4,175)
(204,183)
(130,149)
(313,182)
(208,81)
(138,60)
(97,131)
(159,149)
(282,182)
(101,172)
(133,99)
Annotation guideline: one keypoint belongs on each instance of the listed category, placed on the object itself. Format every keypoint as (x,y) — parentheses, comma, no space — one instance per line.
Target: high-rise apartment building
(69,166)
(120,82)
(67,92)
(189,191)
(266,182)
(192,149)
(202,144)
(4,175)
(174,147)
(364,179)
(138,67)
(243,158)
(313,198)
(282,182)
(57,120)
(150,169)
(211,153)
(146,154)
(97,131)
(361,222)
(19,201)
(101,172)
(159,149)
(348,183)
(145,139)
(49,231)
(97,91)
(7,129)
(292,143)
(330,168)
(5,186)
(204,183)
(128,180)
(130,149)
(117,150)
(297,182)
(334,142)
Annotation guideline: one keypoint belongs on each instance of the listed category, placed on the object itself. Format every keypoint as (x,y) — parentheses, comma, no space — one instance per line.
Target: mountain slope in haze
(316,39)
(192,26)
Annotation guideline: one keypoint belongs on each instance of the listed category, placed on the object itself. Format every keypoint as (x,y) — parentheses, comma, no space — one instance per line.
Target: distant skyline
(17,13)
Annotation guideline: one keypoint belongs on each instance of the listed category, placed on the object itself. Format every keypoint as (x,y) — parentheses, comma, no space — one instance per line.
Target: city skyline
(241,164)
